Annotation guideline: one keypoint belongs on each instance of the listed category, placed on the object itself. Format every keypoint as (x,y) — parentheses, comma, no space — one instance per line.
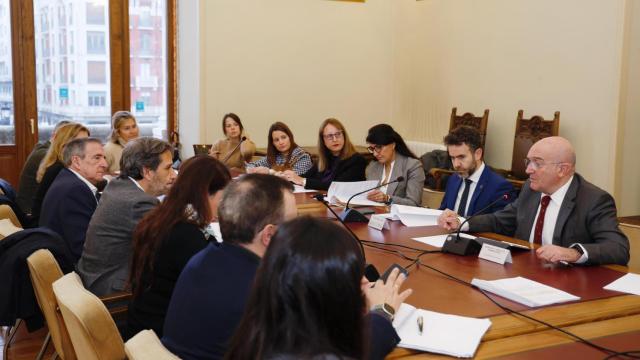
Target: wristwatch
(385,310)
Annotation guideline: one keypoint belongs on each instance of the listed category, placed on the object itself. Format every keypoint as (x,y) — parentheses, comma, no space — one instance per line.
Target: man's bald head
(552,162)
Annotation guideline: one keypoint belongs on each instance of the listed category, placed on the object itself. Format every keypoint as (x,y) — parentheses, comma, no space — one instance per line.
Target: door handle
(33,126)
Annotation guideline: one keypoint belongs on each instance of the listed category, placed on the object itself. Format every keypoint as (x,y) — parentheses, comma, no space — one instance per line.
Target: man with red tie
(571,219)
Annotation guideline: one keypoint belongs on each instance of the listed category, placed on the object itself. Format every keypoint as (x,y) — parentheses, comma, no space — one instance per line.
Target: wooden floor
(25,345)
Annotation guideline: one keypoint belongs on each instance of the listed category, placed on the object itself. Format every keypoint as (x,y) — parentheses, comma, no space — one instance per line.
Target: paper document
(416,216)
(629,284)
(524,291)
(438,240)
(340,192)
(213,229)
(301,189)
(441,333)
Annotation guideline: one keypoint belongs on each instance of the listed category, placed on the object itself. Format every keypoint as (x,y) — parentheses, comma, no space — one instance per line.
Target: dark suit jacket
(490,187)
(104,264)
(67,209)
(28,184)
(587,216)
(408,191)
(47,180)
(351,169)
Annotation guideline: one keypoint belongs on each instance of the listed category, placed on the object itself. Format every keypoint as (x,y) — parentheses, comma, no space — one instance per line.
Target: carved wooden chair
(468,119)
(528,132)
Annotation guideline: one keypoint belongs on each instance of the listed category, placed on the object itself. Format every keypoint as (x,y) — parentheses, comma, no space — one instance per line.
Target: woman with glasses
(393,160)
(337,159)
(310,299)
(282,154)
(230,150)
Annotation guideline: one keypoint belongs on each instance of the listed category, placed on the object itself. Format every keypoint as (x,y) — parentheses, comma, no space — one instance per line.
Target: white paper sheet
(416,216)
(438,240)
(630,284)
(524,291)
(340,192)
(442,333)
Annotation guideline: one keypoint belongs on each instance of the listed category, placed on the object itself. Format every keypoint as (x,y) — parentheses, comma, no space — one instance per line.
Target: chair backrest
(528,132)
(44,270)
(146,346)
(469,119)
(633,233)
(6,212)
(93,332)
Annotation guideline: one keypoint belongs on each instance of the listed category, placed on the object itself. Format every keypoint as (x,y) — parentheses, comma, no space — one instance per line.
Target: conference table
(598,313)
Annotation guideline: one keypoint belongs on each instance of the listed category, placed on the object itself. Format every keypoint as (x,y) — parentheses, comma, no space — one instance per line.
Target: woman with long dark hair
(282,154)
(168,236)
(229,150)
(338,159)
(310,301)
(393,160)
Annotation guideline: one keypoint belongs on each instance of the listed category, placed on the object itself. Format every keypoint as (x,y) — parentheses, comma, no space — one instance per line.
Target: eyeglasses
(538,164)
(375,148)
(335,136)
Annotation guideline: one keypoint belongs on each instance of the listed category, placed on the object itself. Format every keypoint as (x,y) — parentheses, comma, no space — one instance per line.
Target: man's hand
(554,254)
(449,220)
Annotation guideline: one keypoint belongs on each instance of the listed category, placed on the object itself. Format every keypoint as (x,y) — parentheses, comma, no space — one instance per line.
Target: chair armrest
(116,297)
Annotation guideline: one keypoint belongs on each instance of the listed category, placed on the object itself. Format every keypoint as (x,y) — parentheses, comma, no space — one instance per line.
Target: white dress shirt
(475,177)
(551,217)
(384,176)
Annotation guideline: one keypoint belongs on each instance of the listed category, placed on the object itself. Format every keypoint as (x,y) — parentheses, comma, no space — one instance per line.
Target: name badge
(377,222)
(495,254)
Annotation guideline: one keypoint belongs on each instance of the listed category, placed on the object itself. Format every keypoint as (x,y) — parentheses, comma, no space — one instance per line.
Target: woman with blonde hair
(124,129)
(52,162)
(338,159)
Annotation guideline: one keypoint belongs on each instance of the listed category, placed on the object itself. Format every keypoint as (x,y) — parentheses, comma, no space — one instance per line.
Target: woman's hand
(386,292)
(214,153)
(258,170)
(377,195)
(290,175)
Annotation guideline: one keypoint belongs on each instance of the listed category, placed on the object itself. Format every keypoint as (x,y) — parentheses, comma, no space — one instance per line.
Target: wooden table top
(599,312)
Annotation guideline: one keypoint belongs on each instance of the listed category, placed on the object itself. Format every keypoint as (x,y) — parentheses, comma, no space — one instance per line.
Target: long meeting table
(598,313)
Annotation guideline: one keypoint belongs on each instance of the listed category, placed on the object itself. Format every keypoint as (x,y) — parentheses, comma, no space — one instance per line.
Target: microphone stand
(370,271)
(464,246)
(353,215)
(224,161)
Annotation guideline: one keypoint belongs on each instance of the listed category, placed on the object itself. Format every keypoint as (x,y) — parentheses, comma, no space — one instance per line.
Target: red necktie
(537,235)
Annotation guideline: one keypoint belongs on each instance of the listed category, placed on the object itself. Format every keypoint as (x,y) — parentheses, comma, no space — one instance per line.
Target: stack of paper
(340,192)
(629,284)
(525,291)
(416,216)
(442,333)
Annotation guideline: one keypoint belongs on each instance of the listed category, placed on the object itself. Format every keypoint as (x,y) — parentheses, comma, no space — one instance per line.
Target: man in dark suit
(145,174)
(474,186)
(571,219)
(71,200)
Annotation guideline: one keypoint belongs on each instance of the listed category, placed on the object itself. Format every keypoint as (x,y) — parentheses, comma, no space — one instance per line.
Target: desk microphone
(464,246)
(352,215)
(370,271)
(224,161)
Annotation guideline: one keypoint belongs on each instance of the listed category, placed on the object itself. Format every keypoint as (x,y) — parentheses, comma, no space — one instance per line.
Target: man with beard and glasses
(474,185)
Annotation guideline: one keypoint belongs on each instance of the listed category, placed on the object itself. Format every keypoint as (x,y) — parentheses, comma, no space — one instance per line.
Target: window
(96,72)
(95,12)
(97,99)
(95,42)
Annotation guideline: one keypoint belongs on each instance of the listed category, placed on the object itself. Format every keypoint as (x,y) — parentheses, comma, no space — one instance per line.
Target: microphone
(464,246)
(352,215)
(224,161)
(370,271)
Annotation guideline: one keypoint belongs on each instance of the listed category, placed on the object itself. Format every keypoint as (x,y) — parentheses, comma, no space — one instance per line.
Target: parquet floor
(25,345)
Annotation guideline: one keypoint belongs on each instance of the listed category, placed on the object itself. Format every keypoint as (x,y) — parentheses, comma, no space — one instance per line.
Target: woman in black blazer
(338,159)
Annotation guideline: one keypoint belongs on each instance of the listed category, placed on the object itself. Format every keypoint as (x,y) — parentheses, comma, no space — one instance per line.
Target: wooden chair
(93,332)
(527,133)
(633,233)
(146,346)
(467,119)
(6,212)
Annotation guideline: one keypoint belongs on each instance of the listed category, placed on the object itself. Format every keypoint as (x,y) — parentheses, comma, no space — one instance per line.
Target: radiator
(419,148)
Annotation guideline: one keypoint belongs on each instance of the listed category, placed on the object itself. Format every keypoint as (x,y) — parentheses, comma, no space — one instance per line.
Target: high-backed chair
(93,332)
(147,346)
(44,270)
(440,174)
(527,133)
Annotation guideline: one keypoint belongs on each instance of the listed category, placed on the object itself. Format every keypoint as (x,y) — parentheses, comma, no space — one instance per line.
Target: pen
(420,324)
